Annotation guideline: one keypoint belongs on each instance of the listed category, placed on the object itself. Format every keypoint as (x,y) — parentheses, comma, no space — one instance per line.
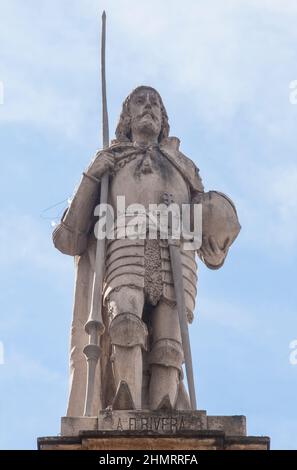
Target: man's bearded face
(145,109)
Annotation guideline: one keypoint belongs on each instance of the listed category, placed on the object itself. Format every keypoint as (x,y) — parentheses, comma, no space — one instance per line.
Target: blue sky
(223,68)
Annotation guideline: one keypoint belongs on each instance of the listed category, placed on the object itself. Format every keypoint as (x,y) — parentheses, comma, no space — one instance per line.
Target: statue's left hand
(211,253)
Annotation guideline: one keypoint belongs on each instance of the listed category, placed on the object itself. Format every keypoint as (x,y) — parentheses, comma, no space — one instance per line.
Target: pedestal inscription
(154,423)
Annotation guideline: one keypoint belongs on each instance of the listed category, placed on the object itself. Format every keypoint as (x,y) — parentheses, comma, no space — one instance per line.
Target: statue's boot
(127,369)
(165,404)
(166,359)
(128,334)
(123,398)
(163,387)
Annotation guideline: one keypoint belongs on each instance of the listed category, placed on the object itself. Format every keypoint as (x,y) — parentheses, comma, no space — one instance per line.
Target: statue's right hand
(102,162)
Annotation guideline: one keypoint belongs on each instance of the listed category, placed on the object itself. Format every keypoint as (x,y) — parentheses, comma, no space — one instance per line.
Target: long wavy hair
(123,130)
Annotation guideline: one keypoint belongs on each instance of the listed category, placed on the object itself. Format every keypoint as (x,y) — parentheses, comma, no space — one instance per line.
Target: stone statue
(141,346)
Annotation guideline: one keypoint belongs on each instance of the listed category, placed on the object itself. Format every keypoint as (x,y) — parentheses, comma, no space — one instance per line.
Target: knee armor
(168,353)
(128,330)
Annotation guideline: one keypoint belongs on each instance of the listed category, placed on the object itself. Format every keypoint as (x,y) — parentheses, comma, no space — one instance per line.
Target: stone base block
(129,441)
(154,430)
(155,422)
(73,426)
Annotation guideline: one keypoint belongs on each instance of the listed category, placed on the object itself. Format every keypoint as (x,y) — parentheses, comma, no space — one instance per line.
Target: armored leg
(166,357)
(128,335)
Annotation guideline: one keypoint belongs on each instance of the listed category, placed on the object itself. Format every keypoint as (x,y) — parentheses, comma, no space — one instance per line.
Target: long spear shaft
(95,326)
(178,282)
(105,127)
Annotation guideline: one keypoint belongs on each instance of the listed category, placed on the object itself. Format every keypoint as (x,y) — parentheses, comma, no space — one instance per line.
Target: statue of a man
(141,346)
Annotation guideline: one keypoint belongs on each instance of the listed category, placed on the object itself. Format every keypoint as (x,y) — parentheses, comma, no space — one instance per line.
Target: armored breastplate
(143,178)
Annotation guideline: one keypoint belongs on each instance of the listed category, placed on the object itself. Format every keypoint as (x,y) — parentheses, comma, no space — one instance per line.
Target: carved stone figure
(141,346)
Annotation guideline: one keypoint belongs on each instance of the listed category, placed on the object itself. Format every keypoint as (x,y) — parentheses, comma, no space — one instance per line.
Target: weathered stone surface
(115,440)
(155,423)
(231,425)
(247,443)
(154,430)
(154,443)
(73,426)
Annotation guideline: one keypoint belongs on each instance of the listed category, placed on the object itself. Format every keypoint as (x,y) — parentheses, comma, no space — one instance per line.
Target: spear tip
(104,15)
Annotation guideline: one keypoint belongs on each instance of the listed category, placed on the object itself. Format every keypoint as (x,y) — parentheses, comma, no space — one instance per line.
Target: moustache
(145,113)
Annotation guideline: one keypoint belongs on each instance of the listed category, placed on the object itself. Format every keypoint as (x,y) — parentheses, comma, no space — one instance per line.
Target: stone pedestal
(159,430)
(200,440)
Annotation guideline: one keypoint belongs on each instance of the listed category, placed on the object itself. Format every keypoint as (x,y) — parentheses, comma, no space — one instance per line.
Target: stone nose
(147,102)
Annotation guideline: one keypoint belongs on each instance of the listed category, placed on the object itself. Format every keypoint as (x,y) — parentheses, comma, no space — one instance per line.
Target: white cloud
(267,208)
(227,314)
(1,353)
(284,199)
(225,55)
(42,63)
(25,241)
(22,367)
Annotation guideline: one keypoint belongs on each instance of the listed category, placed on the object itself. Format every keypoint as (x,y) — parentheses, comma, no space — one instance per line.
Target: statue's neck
(144,140)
